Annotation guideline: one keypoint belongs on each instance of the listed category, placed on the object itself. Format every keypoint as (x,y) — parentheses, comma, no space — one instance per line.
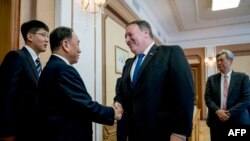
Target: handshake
(118,110)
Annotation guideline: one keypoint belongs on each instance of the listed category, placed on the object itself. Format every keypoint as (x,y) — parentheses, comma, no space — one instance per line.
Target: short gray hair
(228,54)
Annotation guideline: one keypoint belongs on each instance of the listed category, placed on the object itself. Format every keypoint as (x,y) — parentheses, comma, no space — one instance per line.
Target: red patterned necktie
(225,92)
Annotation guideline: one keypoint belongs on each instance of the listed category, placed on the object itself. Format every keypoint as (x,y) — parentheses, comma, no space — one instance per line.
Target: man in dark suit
(227,97)
(67,110)
(122,125)
(159,102)
(19,78)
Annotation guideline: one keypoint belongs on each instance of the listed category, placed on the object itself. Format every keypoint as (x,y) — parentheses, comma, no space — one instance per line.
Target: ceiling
(191,23)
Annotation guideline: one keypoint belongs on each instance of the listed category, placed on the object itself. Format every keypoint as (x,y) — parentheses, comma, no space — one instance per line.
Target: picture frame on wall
(121,55)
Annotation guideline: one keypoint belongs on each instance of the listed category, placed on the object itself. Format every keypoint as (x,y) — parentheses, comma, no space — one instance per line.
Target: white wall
(241,64)
(114,37)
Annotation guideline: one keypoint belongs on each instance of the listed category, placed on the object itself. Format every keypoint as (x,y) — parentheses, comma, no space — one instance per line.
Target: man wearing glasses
(19,74)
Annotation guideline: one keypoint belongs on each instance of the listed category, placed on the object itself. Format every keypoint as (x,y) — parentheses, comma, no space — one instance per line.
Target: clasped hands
(118,110)
(223,115)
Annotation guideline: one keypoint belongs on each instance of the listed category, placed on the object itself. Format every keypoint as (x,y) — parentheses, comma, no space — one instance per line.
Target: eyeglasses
(43,34)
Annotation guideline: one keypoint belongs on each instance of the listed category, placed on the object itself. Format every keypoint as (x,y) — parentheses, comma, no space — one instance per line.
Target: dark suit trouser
(219,132)
(122,129)
(215,134)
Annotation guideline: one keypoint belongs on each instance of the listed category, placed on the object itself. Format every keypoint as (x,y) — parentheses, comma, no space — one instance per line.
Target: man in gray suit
(227,97)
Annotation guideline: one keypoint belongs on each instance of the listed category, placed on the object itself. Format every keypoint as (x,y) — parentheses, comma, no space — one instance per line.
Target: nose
(219,63)
(127,40)
(47,39)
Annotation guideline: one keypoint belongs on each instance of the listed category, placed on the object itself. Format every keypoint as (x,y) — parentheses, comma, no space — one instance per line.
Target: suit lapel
(218,85)
(30,61)
(128,70)
(232,83)
(147,59)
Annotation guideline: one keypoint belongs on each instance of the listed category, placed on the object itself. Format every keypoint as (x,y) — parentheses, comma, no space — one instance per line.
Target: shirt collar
(148,48)
(32,52)
(228,74)
(64,59)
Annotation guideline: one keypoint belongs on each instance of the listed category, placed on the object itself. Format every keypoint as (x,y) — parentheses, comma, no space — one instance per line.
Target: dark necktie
(225,93)
(38,67)
(137,68)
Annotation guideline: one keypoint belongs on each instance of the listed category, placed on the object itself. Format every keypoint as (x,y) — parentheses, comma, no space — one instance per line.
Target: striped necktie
(38,67)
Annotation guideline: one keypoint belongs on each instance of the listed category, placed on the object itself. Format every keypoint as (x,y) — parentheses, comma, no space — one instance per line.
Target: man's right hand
(223,115)
(118,110)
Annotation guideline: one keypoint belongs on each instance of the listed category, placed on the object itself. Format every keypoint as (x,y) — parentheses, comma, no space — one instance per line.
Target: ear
(65,45)
(30,36)
(231,61)
(146,33)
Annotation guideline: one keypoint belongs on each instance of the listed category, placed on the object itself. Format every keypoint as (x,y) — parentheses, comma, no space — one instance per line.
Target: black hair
(32,27)
(58,35)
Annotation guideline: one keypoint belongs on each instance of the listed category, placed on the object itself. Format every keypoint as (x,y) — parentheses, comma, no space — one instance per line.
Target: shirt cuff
(179,135)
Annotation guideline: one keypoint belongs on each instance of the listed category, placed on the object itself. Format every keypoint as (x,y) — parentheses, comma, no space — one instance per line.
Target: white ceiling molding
(192,22)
